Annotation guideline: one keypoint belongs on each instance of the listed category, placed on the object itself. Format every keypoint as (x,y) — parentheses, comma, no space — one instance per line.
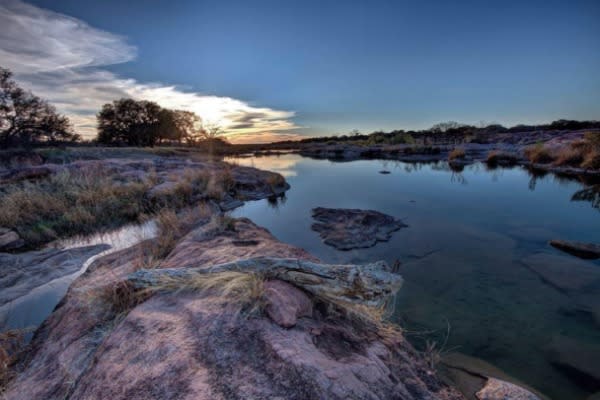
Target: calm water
(461,255)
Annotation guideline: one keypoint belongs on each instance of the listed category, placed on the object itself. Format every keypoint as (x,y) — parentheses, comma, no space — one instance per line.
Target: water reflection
(463,255)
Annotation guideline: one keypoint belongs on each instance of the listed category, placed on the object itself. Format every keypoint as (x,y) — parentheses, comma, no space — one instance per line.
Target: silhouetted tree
(25,119)
(131,122)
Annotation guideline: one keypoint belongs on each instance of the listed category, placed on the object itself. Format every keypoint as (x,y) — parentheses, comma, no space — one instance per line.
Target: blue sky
(325,67)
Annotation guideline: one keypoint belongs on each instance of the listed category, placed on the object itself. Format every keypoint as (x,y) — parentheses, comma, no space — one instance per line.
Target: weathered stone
(496,389)
(285,303)
(10,240)
(347,229)
(583,250)
(193,345)
(229,203)
(368,284)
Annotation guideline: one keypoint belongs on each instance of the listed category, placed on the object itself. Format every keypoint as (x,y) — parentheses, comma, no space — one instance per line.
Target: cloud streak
(61,59)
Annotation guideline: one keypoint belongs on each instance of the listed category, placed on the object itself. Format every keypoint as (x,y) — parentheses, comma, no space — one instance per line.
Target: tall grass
(69,203)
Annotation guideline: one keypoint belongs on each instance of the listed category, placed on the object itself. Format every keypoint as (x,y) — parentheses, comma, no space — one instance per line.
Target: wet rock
(583,250)
(577,359)
(285,303)
(564,273)
(496,389)
(10,240)
(347,229)
(229,203)
(384,172)
(21,273)
(195,345)
(480,380)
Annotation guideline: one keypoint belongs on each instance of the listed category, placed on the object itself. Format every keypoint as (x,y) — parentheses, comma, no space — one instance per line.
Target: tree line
(27,120)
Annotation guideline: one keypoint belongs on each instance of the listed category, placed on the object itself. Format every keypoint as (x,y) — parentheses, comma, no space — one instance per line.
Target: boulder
(285,303)
(347,229)
(10,240)
(582,250)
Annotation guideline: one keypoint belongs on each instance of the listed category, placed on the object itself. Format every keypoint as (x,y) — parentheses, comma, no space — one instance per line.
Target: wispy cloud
(60,58)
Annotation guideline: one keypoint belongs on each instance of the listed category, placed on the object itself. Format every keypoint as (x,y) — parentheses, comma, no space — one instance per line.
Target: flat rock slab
(565,273)
(20,273)
(588,251)
(347,229)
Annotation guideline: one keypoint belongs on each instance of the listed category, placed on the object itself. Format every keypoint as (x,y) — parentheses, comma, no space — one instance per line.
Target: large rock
(198,345)
(20,273)
(285,303)
(583,250)
(10,240)
(347,229)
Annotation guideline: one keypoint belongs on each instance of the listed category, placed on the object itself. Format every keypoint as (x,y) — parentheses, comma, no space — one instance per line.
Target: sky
(277,70)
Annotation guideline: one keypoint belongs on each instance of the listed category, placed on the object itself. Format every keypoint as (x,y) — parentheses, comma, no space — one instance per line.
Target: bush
(456,154)
(495,158)
(538,154)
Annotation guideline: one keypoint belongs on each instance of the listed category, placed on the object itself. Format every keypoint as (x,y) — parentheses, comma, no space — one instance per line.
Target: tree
(131,122)
(26,119)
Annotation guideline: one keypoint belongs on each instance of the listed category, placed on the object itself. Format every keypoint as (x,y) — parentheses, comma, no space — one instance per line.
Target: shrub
(538,154)
(456,154)
(496,157)
(569,156)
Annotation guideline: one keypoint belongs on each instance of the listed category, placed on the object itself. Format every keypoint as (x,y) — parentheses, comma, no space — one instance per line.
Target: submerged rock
(21,273)
(480,380)
(577,359)
(347,229)
(583,250)
(565,273)
(199,344)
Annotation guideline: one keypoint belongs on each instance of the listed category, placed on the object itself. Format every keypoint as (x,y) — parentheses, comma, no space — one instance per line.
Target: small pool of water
(462,254)
(29,311)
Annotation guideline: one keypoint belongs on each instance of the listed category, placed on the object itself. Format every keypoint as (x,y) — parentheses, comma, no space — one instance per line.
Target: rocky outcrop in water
(347,229)
(227,328)
(589,251)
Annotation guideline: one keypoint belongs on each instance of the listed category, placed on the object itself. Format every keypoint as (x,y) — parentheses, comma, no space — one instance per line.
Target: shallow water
(27,312)
(461,254)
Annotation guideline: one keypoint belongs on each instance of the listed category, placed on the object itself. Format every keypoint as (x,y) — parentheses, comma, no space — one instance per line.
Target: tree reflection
(591,194)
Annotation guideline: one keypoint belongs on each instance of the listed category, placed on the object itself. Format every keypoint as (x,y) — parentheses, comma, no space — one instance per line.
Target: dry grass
(571,156)
(538,154)
(244,290)
(69,203)
(456,154)
(496,157)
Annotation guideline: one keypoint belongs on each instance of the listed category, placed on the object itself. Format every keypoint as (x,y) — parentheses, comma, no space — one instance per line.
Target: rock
(20,273)
(579,249)
(478,379)
(229,203)
(564,273)
(195,345)
(365,285)
(347,229)
(384,172)
(285,303)
(577,359)
(496,389)
(10,240)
